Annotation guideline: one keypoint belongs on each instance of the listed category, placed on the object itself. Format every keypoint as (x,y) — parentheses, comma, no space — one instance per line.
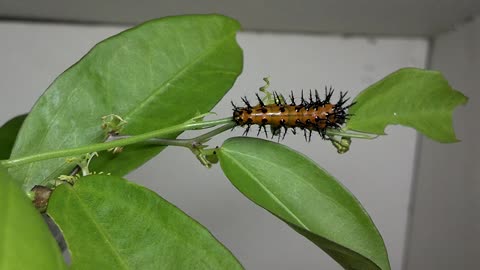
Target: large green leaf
(314,203)
(155,75)
(413,97)
(25,241)
(8,134)
(109,223)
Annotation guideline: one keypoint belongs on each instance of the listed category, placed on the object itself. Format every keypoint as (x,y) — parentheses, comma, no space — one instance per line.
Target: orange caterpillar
(312,115)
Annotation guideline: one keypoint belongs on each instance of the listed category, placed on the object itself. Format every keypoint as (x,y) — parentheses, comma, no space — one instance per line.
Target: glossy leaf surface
(412,97)
(158,74)
(314,203)
(25,241)
(109,223)
(8,134)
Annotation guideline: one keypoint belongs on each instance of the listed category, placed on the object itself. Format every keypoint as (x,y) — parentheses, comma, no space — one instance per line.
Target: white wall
(405,17)
(378,172)
(445,228)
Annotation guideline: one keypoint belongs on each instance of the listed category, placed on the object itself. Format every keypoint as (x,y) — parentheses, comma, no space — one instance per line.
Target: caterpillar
(309,115)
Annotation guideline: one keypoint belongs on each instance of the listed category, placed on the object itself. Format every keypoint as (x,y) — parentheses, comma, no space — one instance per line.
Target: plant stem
(335,132)
(189,143)
(189,125)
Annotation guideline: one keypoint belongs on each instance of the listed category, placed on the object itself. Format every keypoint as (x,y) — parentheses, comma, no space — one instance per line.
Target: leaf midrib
(275,198)
(103,233)
(160,88)
(297,218)
(404,119)
(303,180)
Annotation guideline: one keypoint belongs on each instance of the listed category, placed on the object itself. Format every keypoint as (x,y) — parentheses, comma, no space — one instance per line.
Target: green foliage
(8,134)
(155,75)
(298,191)
(412,97)
(109,223)
(25,241)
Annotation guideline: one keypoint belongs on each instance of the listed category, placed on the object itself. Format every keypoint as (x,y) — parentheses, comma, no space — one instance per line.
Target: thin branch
(189,125)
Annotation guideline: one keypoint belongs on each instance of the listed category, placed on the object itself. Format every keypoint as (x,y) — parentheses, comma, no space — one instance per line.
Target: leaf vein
(167,82)
(100,230)
(273,196)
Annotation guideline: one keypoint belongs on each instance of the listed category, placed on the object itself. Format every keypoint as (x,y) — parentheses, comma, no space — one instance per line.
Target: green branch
(189,125)
(155,137)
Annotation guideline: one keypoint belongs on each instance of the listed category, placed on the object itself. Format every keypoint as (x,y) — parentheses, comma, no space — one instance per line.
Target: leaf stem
(154,137)
(189,125)
(195,144)
(356,135)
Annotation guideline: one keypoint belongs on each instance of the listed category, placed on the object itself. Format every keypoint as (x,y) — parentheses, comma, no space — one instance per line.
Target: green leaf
(109,223)
(314,203)
(8,134)
(412,97)
(158,74)
(25,241)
